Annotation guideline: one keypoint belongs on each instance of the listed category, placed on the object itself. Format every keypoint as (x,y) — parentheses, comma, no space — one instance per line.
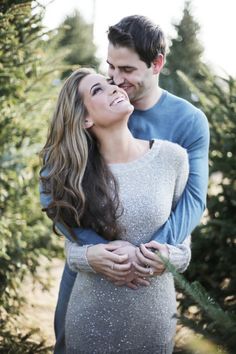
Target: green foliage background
(185,54)
(213,262)
(29,82)
(24,103)
(74,42)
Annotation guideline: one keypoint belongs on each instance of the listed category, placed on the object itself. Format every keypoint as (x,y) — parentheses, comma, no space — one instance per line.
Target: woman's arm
(90,258)
(179,256)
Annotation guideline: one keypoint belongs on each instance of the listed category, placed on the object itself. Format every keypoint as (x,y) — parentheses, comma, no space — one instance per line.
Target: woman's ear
(158,64)
(88,123)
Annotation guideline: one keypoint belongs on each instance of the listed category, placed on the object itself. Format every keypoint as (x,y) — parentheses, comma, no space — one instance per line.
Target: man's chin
(130,92)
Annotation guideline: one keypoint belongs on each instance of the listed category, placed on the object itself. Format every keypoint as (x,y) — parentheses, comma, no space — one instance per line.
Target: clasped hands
(125,264)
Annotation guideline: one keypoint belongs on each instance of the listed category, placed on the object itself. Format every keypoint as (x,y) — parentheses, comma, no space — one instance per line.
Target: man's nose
(117,78)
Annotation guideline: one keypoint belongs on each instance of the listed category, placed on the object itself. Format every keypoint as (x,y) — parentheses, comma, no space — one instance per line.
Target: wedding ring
(151,271)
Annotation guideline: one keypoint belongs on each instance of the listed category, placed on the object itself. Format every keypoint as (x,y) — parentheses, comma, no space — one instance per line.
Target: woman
(103,178)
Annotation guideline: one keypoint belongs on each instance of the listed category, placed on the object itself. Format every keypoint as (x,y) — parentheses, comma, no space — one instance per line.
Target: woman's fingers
(132,286)
(142,271)
(147,253)
(145,257)
(159,247)
(153,244)
(150,263)
(148,271)
(121,267)
(151,258)
(142,281)
(118,268)
(135,284)
(116,258)
(107,263)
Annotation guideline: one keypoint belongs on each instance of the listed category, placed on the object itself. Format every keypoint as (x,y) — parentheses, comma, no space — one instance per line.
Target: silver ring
(112,266)
(151,271)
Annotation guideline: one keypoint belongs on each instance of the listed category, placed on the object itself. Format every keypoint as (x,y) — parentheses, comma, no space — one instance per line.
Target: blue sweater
(176,120)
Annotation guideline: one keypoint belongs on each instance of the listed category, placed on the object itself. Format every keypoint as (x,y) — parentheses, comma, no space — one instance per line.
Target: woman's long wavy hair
(84,192)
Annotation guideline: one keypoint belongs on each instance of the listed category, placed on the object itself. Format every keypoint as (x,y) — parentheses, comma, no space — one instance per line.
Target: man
(136,55)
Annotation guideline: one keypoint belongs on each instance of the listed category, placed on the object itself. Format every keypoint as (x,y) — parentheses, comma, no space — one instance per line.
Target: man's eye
(96,90)
(128,70)
(110,81)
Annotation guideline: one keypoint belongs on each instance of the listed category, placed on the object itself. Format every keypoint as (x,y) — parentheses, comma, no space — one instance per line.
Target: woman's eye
(96,90)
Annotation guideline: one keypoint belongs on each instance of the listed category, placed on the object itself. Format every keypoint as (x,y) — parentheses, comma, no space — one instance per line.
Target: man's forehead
(121,52)
(122,56)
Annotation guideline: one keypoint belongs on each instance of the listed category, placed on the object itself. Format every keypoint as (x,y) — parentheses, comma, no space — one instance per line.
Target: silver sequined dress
(102,318)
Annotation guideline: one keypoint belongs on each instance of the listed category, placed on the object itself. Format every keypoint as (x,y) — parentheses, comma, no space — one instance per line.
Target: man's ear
(158,64)
(88,123)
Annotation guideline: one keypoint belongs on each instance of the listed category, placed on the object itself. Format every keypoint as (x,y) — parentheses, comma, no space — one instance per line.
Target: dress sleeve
(189,209)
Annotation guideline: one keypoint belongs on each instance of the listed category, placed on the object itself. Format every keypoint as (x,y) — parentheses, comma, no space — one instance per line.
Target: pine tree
(185,55)
(219,325)
(214,253)
(75,40)
(25,83)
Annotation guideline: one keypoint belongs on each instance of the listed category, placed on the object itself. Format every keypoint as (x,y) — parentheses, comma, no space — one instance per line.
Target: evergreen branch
(225,321)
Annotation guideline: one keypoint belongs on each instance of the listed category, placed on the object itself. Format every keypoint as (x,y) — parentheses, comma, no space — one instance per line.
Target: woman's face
(106,104)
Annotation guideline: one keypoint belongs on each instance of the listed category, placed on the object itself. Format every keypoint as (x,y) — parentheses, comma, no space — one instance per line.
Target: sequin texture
(102,318)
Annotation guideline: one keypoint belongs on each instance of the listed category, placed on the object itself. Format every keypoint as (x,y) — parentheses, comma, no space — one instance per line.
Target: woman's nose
(113,89)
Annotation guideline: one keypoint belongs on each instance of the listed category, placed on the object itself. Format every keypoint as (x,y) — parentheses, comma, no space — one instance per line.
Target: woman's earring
(88,124)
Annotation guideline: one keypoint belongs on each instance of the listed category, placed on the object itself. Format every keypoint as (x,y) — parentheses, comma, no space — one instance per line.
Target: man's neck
(149,100)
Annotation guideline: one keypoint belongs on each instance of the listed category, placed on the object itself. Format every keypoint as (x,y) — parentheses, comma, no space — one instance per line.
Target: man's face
(129,72)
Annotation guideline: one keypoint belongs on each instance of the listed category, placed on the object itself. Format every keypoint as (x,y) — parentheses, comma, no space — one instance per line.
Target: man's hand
(104,261)
(151,263)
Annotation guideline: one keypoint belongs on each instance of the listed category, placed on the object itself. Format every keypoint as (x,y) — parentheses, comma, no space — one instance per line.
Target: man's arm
(83,236)
(191,205)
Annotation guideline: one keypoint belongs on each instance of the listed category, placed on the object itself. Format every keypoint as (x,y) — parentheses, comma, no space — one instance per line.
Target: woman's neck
(121,146)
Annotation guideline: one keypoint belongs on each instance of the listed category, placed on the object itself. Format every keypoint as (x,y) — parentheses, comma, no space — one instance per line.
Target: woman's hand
(151,263)
(104,261)
(132,280)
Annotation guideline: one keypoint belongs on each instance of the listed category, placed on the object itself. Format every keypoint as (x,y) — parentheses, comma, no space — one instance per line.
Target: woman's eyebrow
(97,84)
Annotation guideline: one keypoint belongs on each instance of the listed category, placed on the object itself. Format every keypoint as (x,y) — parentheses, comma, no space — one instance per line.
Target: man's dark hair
(140,34)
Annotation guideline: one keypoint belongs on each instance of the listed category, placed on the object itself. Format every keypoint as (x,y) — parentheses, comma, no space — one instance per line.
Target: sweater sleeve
(180,255)
(76,257)
(191,205)
(83,236)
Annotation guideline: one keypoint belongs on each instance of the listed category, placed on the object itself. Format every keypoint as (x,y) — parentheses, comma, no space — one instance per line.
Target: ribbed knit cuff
(77,257)
(179,256)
